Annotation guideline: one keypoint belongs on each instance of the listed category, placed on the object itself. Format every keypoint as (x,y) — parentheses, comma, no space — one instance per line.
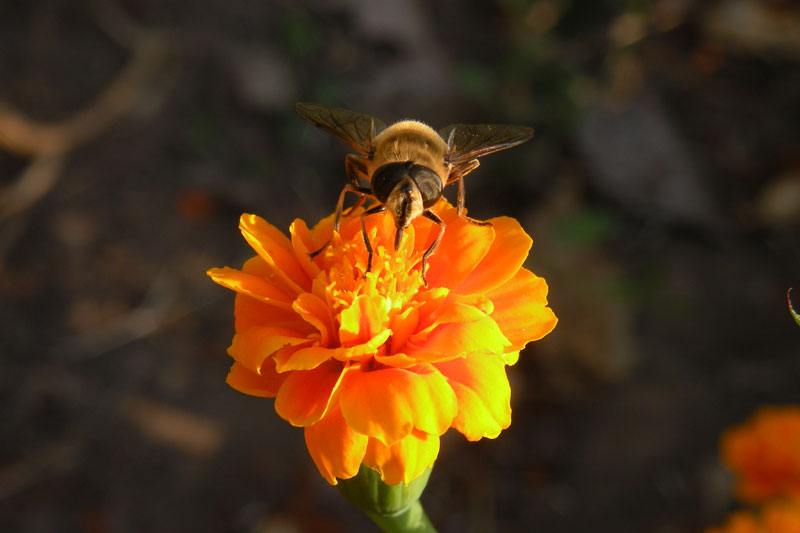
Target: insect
(404,167)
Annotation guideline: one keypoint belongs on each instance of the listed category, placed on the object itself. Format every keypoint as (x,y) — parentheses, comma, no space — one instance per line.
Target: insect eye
(386,177)
(429,183)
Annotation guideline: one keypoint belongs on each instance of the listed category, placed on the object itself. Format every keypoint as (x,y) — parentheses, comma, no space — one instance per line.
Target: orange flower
(377,367)
(764,453)
(775,517)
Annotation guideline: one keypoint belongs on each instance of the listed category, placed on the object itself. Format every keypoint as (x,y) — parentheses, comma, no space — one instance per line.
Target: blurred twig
(32,184)
(24,136)
(47,144)
(156,310)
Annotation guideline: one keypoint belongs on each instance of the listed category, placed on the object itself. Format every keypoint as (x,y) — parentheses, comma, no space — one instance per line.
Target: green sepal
(394,508)
(791,309)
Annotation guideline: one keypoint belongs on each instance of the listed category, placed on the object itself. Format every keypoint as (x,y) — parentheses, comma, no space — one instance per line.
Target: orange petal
(253,346)
(306,395)
(405,460)
(430,303)
(265,384)
(403,325)
(505,256)
(397,360)
(360,350)
(360,321)
(520,309)
(317,313)
(250,285)
(336,449)
(310,357)
(388,403)
(483,393)
(321,232)
(510,358)
(380,229)
(463,247)
(451,311)
(249,313)
(306,358)
(465,330)
(302,246)
(276,250)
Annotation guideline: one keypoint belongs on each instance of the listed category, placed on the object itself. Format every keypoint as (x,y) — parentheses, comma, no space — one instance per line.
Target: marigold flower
(376,368)
(775,517)
(764,454)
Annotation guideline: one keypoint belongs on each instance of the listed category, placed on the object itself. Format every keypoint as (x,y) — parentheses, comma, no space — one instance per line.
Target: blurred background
(662,191)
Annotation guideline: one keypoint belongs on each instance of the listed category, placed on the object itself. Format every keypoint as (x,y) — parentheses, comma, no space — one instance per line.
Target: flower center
(392,282)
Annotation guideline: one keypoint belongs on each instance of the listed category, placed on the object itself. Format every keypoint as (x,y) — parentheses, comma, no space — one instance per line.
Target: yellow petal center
(392,282)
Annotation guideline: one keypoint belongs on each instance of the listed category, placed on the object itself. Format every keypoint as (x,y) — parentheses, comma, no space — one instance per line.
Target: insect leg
(377,209)
(355,206)
(361,191)
(460,205)
(356,169)
(431,216)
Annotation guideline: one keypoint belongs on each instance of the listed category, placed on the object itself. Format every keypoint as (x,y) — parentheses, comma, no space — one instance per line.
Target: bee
(405,167)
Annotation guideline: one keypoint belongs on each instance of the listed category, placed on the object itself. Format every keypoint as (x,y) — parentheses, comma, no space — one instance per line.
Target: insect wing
(356,130)
(469,141)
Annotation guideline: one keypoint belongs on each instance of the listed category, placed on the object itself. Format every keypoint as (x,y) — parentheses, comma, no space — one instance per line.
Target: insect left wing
(467,142)
(356,130)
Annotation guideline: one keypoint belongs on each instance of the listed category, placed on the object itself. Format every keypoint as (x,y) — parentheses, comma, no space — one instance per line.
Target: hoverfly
(407,165)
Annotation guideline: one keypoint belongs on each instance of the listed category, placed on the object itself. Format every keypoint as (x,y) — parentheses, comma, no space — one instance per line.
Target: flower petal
(405,460)
(464,330)
(520,309)
(380,230)
(276,250)
(249,313)
(320,233)
(250,285)
(388,403)
(510,358)
(309,357)
(317,313)
(336,449)
(449,312)
(360,321)
(302,246)
(265,384)
(764,454)
(253,346)
(306,395)
(463,247)
(397,360)
(483,393)
(429,304)
(403,325)
(505,256)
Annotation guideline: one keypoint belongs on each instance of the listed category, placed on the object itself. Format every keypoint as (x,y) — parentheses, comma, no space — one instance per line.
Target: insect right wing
(356,130)
(467,142)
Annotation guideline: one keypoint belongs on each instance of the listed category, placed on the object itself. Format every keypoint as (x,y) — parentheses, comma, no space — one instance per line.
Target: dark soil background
(662,191)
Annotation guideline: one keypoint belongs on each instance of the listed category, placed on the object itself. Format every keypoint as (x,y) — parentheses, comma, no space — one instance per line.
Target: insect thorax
(413,141)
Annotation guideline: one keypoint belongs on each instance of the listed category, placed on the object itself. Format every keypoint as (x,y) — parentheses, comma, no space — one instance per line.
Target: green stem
(411,519)
(394,508)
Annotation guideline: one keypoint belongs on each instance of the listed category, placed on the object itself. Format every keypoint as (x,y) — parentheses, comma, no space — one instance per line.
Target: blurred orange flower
(774,517)
(377,367)
(764,454)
